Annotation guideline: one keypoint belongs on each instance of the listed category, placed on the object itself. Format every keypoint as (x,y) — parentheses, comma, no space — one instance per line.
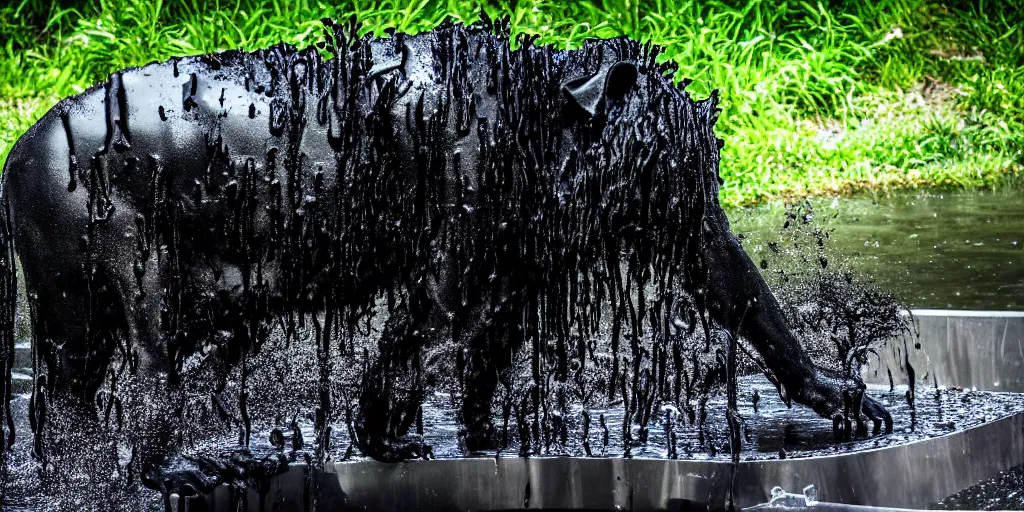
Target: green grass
(819,97)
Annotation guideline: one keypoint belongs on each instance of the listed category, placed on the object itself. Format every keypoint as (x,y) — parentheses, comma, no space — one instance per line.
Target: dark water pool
(1005,491)
(953,250)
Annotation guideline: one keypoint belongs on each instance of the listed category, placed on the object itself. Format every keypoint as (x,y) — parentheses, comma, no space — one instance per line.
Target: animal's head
(650,120)
(654,153)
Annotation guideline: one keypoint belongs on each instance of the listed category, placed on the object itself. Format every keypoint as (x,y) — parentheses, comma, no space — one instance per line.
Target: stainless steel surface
(826,507)
(783,501)
(909,476)
(970,349)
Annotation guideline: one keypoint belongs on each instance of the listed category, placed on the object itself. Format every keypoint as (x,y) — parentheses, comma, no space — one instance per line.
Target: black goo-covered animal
(497,200)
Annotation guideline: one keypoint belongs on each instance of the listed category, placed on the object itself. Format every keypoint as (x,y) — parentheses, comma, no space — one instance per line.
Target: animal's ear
(612,82)
(621,78)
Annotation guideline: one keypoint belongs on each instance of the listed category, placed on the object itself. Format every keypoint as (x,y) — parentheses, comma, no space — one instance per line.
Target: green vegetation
(819,97)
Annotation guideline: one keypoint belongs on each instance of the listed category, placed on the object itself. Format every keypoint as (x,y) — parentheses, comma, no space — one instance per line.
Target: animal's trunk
(8,301)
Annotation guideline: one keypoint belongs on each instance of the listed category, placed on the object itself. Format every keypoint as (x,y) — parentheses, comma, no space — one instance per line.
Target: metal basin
(969,349)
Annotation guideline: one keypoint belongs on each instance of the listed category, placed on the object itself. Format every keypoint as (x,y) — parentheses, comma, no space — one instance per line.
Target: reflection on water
(955,250)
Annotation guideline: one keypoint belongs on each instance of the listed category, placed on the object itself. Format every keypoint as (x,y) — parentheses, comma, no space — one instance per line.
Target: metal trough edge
(971,349)
(908,476)
(981,349)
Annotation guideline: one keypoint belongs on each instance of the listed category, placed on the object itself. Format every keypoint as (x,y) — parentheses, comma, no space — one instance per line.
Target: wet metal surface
(909,476)
(970,349)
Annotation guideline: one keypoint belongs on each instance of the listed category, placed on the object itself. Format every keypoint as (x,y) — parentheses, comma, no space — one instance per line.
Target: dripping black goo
(505,207)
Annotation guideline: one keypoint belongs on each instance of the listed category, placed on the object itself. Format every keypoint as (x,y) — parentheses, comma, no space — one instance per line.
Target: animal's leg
(71,360)
(152,391)
(168,332)
(392,388)
(71,353)
(491,340)
(739,299)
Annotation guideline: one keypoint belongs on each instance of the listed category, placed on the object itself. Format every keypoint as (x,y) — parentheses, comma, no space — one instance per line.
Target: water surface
(953,250)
